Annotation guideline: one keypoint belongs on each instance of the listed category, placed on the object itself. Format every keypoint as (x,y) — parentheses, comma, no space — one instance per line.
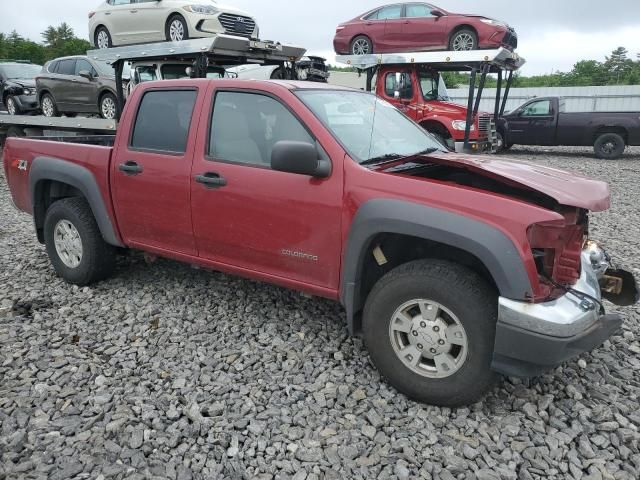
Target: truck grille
(237,24)
(484,123)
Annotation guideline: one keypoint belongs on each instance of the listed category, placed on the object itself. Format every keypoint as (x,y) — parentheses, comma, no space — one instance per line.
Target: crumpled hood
(23,82)
(566,188)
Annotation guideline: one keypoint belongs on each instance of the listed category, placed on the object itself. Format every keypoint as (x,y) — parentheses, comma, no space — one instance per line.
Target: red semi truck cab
(420,93)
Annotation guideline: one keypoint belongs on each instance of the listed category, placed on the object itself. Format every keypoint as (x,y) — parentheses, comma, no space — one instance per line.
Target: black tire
(12,106)
(167,28)
(54,112)
(609,146)
(96,41)
(502,145)
(108,113)
(70,114)
(98,258)
(467,296)
(365,42)
(457,40)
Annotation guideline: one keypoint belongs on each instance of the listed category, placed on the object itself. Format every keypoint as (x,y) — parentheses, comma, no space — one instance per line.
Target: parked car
(452,267)
(404,27)
(18,87)
(310,68)
(126,22)
(544,121)
(78,84)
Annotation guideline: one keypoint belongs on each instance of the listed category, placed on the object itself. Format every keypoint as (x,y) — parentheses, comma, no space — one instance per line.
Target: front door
(422,28)
(533,124)
(151,173)
(399,91)
(252,218)
(150,17)
(85,94)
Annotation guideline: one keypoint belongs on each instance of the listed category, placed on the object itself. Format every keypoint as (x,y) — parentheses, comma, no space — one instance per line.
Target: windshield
(367,127)
(432,86)
(21,72)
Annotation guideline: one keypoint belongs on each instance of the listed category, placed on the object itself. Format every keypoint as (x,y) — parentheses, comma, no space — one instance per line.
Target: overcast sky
(554,34)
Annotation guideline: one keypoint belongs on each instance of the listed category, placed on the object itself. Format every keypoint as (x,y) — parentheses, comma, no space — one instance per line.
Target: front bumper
(534,338)
(208,25)
(27,103)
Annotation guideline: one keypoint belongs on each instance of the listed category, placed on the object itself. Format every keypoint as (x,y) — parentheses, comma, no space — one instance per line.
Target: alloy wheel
(463,42)
(47,106)
(108,108)
(361,47)
(68,243)
(11,106)
(176,30)
(103,40)
(428,338)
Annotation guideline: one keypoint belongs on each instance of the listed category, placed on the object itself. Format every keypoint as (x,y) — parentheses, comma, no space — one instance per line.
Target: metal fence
(578,99)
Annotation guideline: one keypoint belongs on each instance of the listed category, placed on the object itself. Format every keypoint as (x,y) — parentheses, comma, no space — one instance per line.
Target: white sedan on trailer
(127,22)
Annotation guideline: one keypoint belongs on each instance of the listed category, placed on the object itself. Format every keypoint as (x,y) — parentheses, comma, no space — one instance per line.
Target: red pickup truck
(453,268)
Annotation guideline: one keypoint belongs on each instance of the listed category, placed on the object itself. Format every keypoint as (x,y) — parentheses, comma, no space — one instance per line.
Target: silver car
(126,22)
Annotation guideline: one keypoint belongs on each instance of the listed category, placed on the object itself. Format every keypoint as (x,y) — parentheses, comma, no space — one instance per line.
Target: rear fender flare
(488,244)
(52,169)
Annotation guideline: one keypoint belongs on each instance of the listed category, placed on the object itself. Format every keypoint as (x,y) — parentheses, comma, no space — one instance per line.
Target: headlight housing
(201,9)
(493,23)
(461,125)
(28,91)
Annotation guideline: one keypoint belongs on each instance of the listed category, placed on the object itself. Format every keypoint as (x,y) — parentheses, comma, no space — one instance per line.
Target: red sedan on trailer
(403,27)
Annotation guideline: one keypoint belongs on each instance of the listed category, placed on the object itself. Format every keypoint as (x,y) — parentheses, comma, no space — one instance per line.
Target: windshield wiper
(394,157)
(389,157)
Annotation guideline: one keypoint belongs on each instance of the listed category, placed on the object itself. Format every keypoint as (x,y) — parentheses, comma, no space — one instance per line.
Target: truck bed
(92,153)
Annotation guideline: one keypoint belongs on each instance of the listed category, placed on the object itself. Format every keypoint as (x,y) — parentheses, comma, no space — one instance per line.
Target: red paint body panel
(416,34)
(244,227)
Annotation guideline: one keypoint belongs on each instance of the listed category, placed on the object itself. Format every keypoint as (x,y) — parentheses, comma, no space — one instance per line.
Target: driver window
(537,109)
(405,86)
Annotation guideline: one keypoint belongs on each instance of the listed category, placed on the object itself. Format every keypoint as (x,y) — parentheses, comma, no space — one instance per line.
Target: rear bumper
(534,338)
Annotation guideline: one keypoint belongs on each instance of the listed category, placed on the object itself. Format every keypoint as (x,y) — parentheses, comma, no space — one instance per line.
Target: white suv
(127,22)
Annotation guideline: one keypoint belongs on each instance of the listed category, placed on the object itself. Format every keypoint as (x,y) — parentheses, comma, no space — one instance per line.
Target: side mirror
(437,13)
(85,74)
(300,158)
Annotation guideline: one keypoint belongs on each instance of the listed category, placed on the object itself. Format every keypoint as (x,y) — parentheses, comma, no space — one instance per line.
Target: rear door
(422,29)
(85,93)
(63,85)
(151,171)
(393,37)
(123,22)
(150,16)
(284,226)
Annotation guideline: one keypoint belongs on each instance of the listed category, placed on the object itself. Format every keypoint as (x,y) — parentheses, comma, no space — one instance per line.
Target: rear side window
(392,12)
(66,67)
(53,67)
(163,120)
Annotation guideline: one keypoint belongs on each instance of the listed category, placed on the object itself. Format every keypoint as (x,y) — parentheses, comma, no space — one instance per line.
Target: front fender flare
(47,168)
(490,245)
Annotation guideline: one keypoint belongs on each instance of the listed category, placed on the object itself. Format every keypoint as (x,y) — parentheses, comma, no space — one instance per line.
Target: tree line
(59,41)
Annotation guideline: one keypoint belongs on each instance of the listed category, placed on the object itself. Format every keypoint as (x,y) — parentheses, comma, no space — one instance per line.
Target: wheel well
(464,26)
(399,249)
(619,130)
(436,127)
(95,31)
(359,35)
(105,92)
(47,192)
(173,15)
(42,94)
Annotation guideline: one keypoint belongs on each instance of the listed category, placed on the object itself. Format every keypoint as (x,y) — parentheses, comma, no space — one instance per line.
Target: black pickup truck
(544,121)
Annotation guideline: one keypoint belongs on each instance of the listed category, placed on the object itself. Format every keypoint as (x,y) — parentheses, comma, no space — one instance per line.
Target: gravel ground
(170,372)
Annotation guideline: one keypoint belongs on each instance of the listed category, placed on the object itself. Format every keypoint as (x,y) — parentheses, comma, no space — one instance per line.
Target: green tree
(618,65)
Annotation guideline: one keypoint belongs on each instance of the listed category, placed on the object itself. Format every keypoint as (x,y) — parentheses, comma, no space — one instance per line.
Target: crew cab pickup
(545,121)
(453,268)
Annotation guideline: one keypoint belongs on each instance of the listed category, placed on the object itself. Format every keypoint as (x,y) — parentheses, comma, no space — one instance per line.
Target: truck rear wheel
(609,146)
(74,243)
(429,326)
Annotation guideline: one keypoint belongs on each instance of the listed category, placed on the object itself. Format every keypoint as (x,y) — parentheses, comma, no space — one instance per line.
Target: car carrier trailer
(480,63)
(223,50)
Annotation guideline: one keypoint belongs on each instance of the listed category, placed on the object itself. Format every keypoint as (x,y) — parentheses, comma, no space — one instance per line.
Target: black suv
(18,86)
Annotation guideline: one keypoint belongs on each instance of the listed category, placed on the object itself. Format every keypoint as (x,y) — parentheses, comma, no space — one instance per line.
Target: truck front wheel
(74,243)
(429,326)
(609,146)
